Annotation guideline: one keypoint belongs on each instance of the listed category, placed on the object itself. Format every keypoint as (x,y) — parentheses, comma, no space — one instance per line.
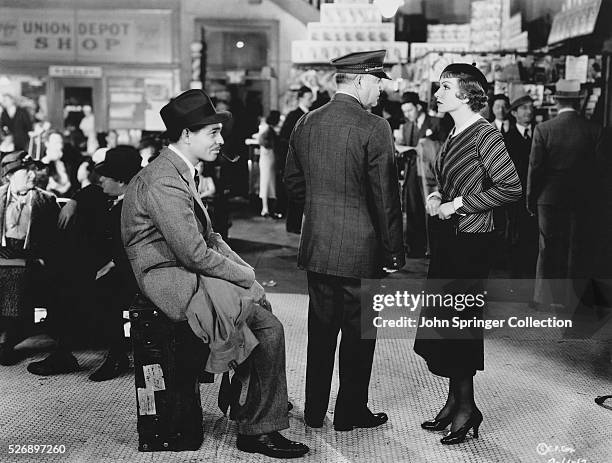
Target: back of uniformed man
(340,164)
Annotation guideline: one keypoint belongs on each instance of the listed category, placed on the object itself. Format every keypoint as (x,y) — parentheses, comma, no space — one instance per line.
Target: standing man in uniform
(340,165)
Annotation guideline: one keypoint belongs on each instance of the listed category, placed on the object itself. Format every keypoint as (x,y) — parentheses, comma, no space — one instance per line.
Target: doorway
(75,100)
(68,95)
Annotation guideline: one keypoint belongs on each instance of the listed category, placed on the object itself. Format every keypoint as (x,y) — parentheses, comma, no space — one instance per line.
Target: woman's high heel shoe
(458,436)
(437,425)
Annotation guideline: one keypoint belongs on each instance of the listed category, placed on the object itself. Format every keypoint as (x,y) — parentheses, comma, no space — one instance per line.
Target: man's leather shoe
(8,356)
(367,420)
(113,366)
(55,364)
(273,445)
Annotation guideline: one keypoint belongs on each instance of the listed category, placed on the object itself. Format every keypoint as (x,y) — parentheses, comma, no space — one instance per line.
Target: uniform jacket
(184,268)
(340,164)
(562,160)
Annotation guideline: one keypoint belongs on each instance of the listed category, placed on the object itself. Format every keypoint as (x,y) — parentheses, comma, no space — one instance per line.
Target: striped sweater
(476,166)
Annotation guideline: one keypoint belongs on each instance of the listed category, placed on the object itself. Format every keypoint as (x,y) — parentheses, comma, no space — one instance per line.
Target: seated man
(193,276)
(28,217)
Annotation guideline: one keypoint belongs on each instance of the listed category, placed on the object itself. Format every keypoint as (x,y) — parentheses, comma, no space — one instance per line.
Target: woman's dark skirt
(460,264)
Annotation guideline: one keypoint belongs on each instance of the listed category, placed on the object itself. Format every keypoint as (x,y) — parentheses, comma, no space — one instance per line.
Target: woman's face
(54,145)
(83,172)
(446,96)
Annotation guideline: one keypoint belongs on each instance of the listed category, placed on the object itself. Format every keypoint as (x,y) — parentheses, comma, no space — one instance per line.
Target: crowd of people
(444,183)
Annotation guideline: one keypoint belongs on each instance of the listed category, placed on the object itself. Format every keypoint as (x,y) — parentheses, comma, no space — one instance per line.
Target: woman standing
(474,174)
(268,141)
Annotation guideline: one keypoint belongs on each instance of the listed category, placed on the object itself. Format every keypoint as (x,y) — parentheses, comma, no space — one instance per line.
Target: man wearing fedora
(193,276)
(522,227)
(340,165)
(561,166)
(28,232)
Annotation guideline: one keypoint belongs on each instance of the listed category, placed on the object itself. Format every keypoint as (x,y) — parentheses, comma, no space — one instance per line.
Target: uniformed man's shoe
(367,420)
(56,363)
(273,445)
(113,366)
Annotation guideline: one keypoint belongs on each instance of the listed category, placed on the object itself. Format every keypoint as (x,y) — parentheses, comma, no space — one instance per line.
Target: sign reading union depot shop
(86,35)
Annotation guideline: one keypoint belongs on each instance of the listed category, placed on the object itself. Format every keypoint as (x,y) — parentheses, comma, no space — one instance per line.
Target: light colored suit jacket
(182,266)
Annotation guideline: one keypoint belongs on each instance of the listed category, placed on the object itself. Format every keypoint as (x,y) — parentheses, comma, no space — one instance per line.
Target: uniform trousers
(335,305)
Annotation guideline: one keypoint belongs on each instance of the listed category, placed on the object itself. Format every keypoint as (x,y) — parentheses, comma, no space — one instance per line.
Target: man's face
(446,96)
(111,186)
(524,114)
(500,109)
(370,90)
(205,144)
(54,146)
(306,100)
(22,180)
(7,101)
(111,139)
(410,111)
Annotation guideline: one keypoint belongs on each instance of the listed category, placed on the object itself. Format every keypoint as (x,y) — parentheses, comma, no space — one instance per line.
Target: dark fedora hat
(121,163)
(469,69)
(362,62)
(14,161)
(189,109)
(412,97)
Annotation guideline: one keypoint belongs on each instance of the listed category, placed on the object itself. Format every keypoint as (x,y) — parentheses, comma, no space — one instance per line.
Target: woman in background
(268,142)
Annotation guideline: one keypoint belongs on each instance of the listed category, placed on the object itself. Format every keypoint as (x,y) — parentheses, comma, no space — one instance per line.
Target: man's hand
(433,205)
(531,208)
(66,214)
(446,210)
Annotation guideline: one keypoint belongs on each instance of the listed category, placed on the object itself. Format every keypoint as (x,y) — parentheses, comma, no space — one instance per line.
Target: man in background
(294,211)
(561,165)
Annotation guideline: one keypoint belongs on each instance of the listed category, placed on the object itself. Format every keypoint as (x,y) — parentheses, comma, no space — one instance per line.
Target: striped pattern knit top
(476,166)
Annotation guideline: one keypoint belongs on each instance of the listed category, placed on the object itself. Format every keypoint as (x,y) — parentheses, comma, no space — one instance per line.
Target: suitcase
(169,362)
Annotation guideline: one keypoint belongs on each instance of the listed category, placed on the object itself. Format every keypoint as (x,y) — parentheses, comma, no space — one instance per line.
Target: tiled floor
(536,394)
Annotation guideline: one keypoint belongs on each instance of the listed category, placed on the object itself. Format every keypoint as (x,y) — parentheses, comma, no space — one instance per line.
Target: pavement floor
(536,393)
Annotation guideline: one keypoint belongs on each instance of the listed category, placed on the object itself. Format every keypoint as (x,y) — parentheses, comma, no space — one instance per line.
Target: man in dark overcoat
(521,227)
(561,165)
(340,165)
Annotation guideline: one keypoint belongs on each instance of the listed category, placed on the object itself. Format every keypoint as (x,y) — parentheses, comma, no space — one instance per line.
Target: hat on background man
(568,90)
(189,109)
(521,100)
(121,163)
(412,97)
(14,161)
(469,69)
(362,62)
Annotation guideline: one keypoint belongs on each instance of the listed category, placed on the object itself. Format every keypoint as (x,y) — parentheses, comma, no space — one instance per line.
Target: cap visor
(381,75)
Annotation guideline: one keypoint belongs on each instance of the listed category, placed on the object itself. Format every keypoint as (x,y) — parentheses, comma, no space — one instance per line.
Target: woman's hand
(433,205)
(66,214)
(446,210)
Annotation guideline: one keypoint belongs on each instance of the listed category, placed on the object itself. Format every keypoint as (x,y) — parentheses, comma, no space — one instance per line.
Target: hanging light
(388,8)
